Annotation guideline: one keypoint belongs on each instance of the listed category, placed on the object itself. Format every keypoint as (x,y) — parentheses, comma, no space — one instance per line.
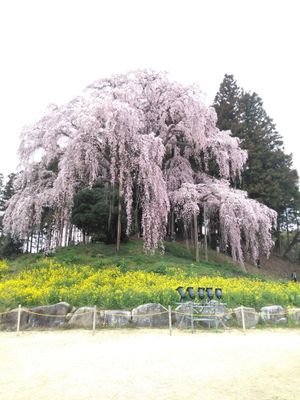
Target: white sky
(51,50)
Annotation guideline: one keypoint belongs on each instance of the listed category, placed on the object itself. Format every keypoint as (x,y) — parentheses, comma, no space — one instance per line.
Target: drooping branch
(245,224)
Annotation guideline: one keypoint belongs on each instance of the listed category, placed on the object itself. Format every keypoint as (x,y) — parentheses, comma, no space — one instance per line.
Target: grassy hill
(132,257)
(95,274)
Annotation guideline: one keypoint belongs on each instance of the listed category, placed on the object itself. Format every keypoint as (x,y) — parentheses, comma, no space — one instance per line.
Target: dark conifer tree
(226,104)
(9,188)
(8,245)
(268,176)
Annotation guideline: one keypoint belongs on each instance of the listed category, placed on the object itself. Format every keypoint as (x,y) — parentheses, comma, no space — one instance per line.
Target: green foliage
(96,274)
(10,247)
(9,188)
(49,282)
(133,257)
(226,104)
(95,212)
(3,269)
(269,176)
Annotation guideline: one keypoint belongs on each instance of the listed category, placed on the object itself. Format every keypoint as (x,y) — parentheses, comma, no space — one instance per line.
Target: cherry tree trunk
(119,221)
(31,240)
(171,225)
(111,200)
(196,245)
(38,241)
(27,244)
(137,230)
(205,234)
(287,227)
(70,235)
(186,236)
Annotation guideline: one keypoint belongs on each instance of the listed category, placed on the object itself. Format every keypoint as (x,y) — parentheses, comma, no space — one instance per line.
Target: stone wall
(63,315)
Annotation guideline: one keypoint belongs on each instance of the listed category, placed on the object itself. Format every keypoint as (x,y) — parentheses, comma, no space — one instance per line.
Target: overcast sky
(51,50)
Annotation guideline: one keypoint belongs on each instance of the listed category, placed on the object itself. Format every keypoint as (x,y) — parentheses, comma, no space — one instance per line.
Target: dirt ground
(276,268)
(149,364)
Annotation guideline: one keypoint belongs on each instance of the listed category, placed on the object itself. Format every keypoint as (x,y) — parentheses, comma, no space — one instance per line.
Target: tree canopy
(8,245)
(152,139)
(269,176)
(95,212)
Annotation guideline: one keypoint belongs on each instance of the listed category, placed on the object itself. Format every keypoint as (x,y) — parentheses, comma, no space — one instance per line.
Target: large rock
(251,316)
(48,316)
(275,314)
(150,315)
(183,315)
(294,315)
(83,318)
(211,315)
(8,321)
(117,318)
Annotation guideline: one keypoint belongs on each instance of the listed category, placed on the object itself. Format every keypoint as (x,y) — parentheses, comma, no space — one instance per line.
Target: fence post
(243,319)
(170,320)
(94,320)
(19,319)
(192,316)
(215,316)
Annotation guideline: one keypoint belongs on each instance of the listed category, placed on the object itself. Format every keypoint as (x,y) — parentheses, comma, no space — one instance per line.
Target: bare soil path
(149,364)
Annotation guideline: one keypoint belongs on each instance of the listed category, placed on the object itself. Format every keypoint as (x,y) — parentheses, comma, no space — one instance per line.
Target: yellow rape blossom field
(111,287)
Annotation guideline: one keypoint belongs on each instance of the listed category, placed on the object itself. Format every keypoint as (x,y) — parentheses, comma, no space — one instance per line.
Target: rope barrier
(195,313)
(165,308)
(8,312)
(289,312)
(82,313)
(150,315)
(45,315)
(293,311)
(137,315)
(211,314)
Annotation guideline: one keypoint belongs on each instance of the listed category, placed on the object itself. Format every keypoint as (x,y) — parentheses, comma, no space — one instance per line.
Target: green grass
(96,274)
(133,257)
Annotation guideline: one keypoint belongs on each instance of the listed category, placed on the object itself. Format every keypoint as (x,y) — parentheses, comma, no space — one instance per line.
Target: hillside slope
(132,257)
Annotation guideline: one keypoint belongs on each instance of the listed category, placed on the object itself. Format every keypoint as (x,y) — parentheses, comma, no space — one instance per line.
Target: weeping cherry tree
(152,139)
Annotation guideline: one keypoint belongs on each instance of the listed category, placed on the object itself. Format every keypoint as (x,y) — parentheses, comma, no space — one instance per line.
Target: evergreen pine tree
(9,188)
(226,104)
(6,192)
(8,245)
(268,176)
